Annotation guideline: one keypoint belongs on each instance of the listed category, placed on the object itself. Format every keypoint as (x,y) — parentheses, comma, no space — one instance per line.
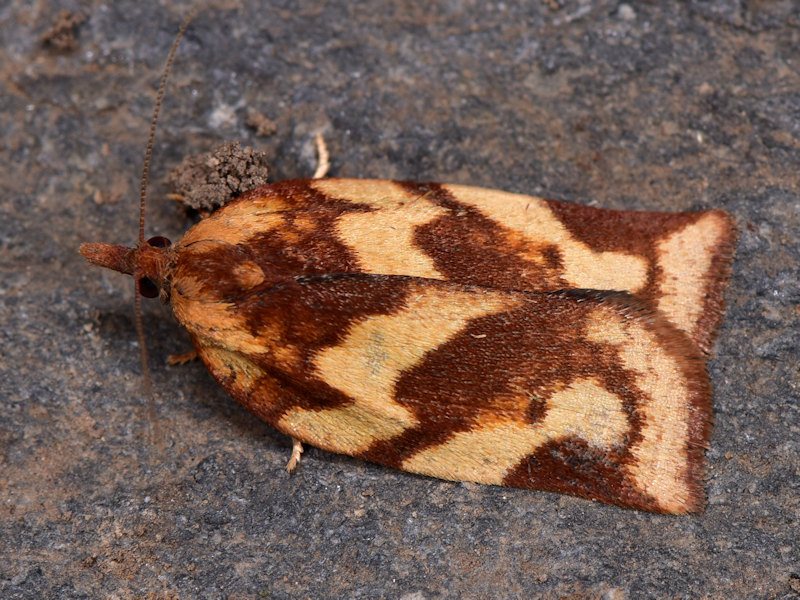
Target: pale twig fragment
(323,158)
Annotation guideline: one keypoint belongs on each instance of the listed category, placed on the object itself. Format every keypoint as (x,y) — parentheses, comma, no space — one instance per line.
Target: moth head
(148,263)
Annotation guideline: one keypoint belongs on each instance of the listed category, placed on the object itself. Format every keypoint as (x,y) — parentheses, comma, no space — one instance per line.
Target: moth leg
(323,158)
(297,450)
(182,359)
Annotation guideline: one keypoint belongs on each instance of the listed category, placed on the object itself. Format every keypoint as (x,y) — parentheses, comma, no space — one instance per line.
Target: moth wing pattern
(586,392)
(680,262)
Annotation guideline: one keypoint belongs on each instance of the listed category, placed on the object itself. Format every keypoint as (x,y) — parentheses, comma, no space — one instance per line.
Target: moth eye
(147,288)
(159,242)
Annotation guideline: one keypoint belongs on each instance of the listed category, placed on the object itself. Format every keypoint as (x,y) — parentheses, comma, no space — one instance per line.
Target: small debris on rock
(205,182)
(263,125)
(62,37)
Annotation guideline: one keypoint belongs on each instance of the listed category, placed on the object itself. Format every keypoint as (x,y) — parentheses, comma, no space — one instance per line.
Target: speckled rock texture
(645,105)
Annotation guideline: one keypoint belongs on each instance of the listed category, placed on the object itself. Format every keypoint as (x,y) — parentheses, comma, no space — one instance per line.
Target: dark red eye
(147,288)
(159,242)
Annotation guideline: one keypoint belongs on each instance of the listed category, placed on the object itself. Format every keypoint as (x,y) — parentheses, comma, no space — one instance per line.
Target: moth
(459,332)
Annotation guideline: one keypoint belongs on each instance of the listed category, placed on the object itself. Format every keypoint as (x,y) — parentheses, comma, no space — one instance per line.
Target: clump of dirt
(205,182)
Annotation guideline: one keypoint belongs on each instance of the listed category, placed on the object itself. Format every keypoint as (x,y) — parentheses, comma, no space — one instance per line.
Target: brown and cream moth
(459,332)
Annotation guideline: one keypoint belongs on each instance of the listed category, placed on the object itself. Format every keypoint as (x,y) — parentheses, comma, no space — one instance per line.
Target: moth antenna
(152,420)
(159,98)
(155,433)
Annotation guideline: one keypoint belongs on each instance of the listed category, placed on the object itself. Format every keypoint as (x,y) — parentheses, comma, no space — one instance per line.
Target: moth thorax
(152,261)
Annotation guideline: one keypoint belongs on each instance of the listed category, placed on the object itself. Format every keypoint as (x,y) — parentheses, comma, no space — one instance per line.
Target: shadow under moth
(459,332)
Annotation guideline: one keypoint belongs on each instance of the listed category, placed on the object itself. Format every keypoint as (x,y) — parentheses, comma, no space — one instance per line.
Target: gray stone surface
(646,105)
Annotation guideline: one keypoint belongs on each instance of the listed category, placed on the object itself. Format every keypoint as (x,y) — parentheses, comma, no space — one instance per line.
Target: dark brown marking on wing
(573,466)
(633,232)
(468,247)
(502,366)
(306,243)
(304,317)
(296,194)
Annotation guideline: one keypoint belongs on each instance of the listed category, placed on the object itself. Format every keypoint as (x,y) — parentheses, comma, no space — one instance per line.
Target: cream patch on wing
(661,459)
(531,218)
(368,362)
(241,373)
(584,409)
(348,429)
(216,323)
(234,225)
(378,193)
(685,258)
(383,240)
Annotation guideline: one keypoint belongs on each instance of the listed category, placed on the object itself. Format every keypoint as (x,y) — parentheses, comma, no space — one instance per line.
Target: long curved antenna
(159,97)
(155,434)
